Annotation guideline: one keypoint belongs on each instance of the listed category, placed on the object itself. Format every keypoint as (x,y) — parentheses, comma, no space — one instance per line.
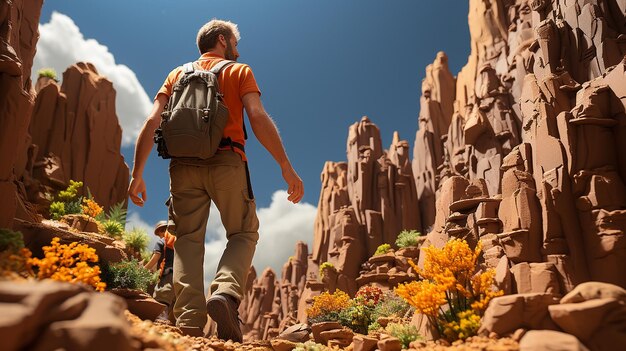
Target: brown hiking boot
(223,309)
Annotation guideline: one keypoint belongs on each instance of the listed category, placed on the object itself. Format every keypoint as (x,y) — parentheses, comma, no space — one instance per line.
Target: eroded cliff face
(19,21)
(50,134)
(524,151)
(538,120)
(76,135)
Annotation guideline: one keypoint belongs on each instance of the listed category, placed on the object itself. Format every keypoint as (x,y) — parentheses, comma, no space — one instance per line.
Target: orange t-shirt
(236,80)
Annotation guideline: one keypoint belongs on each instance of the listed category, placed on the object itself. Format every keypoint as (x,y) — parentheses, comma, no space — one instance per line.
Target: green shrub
(137,239)
(117,213)
(47,72)
(382,249)
(128,275)
(10,240)
(310,346)
(375,326)
(323,266)
(391,305)
(71,192)
(405,333)
(113,229)
(356,317)
(74,207)
(407,238)
(57,210)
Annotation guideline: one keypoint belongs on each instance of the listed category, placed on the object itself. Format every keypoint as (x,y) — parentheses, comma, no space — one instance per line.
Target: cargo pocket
(250,221)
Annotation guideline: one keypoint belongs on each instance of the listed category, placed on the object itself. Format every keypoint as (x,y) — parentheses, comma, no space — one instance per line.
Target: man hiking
(222,178)
(162,260)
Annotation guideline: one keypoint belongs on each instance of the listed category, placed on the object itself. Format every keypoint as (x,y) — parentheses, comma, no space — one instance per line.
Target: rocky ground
(169,338)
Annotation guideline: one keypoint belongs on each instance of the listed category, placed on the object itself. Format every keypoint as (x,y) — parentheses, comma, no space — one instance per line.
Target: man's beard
(229,54)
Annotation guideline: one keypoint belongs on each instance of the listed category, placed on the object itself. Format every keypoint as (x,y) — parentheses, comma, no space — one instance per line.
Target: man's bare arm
(265,130)
(142,151)
(154,259)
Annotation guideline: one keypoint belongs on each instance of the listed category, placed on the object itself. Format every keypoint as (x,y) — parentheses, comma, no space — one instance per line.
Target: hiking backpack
(194,118)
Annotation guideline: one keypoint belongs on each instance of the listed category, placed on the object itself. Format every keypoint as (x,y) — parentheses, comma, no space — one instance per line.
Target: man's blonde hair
(210,32)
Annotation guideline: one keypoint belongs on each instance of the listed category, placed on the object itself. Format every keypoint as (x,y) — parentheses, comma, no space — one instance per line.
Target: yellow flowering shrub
(69,263)
(465,325)
(451,294)
(327,303)
(91,208)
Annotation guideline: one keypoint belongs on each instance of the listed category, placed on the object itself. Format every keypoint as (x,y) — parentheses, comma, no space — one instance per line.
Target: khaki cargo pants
(164,290)
(193,188)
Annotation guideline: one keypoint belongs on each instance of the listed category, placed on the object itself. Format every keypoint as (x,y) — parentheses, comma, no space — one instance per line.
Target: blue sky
(321,65)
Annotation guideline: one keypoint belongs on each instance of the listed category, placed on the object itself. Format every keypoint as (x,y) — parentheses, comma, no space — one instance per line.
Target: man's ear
(222,39)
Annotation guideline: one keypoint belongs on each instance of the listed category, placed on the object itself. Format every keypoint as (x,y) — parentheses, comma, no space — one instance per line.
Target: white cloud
(61,44)
(282,225)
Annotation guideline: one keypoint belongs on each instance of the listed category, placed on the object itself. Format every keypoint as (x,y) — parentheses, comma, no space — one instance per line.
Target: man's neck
(216,52)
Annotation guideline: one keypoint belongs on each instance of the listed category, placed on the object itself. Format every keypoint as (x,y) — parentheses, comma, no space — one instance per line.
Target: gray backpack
(194,118)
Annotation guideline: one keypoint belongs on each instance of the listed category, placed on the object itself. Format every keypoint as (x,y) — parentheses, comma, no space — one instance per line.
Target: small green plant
(57,210)
(391,305)
(117,213)
(74,207)
(113,229)
(357,317)
(10,240)
(14,257)
(375,326)
(405,333)
(324,266)
(310,346)
(48,72)
(68,201)
(407,238)
(137,239)
(71,192)
(128,275)
(382,249)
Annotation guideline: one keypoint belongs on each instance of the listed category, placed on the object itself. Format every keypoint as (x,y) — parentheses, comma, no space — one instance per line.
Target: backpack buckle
(205,115)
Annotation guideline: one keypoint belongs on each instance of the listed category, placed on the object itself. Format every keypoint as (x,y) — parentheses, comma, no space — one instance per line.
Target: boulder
(50,315)
(364,343)
(506,314)
(599,323)
(282,345)
(550,340)
(318,328)
(140,303)
(594,290)
(342,337)
(389,344)
(296,333)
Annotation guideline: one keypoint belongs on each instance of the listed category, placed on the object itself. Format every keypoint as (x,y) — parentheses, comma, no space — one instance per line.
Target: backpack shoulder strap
(188,68)
(220,65)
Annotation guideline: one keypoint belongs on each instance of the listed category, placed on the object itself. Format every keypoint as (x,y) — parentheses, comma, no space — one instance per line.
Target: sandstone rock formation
(271,305)
(524,151)
(363,203)
(527,108)
(76,135)
(51,134)
(19,21)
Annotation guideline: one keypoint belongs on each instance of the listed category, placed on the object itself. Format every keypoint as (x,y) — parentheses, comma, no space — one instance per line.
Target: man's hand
(137,186)
(296,188)
(142,150)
